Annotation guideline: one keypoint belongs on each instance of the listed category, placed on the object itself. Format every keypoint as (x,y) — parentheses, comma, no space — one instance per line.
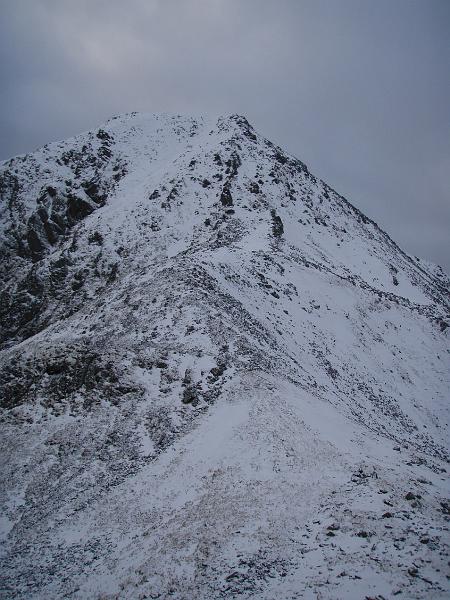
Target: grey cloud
(357,89)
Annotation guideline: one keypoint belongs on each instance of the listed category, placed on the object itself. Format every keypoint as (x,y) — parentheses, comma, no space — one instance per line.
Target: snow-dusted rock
(218,378)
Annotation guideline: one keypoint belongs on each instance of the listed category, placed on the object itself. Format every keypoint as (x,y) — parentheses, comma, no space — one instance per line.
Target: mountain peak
(212,365)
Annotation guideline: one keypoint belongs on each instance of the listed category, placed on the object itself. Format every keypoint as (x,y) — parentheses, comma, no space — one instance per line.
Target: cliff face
(218,378)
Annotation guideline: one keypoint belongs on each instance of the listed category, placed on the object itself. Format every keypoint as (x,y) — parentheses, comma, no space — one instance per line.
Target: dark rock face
(54,217)
(225,197)
(277,224)
(55,211)
(61,375)
(58,205)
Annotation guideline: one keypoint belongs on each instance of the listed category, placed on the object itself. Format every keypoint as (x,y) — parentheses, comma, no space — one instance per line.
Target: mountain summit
(219,379)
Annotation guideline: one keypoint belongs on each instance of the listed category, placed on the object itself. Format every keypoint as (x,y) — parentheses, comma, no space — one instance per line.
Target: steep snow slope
(219,379)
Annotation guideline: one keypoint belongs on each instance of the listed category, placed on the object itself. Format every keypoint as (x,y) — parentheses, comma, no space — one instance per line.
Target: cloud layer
(359,90)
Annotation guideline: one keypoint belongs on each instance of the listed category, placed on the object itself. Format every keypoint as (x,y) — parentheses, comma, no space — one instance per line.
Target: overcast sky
(357,89)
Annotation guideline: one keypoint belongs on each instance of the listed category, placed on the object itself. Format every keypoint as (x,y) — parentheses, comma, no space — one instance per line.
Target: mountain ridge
(169,280)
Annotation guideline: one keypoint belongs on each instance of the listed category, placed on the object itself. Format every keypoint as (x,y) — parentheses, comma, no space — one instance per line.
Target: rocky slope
(218,378)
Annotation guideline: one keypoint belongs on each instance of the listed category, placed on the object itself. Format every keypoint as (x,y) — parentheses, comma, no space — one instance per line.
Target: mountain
(219,379)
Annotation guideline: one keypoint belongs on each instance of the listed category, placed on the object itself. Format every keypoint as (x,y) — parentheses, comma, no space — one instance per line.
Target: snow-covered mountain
(219,379)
